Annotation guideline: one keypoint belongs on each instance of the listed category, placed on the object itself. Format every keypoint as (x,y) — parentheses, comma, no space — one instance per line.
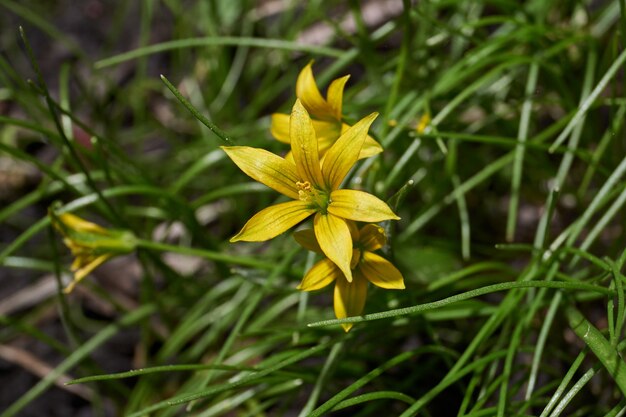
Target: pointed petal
(334,95)
(304,146)
(350,299)
(309,94)
(324,146)
(370,146)
(82,259)
(381,272)
(76,249)
(266,167)
(333,236)
(325,130)
(359,206)
(81,273)
(74,223)
(274,220)
(77,263)
(372,237)
(327,134)
(280,127)
(356,257)
(323,273)
(306,239)
(345,152)
(354,231)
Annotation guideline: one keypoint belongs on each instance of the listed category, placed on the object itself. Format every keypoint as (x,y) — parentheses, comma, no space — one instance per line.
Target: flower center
(317,198)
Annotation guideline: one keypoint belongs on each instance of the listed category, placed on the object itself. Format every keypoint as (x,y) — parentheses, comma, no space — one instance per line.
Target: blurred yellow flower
(313,185)
(91,244)
(325,113)
(366,266)
(423,123)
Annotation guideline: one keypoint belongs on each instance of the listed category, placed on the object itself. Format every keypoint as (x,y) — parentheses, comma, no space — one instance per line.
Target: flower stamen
(308,193)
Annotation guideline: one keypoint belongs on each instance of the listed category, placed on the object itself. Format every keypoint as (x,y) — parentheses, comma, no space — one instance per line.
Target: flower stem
(206,254)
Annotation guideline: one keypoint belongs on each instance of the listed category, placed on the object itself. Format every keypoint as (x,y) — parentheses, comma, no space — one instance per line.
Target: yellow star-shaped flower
(314,187)
(326,114)
(366,266)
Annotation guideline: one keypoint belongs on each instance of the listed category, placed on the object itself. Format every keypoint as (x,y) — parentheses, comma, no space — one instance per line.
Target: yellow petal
(266,167)
(86,270)
(359,206)
(372,237)
(323,273)
(327,131)
(350,298)
(327,134)
(370,146)
(356,257)
(309,94)
(345,152)
(80,260)
(75,223)
(306,239)
(333,236)
(272,221)
(354,231)
(334,95)
(280,127)
(380,272)
(304,146)
(423,123)
(76,249)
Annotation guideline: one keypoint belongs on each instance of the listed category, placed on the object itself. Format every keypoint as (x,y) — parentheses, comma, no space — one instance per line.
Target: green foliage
(512,204)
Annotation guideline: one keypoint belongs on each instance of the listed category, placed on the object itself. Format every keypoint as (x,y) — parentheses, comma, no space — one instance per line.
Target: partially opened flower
(91,244)
(349,299)
(314,187)
(325,113)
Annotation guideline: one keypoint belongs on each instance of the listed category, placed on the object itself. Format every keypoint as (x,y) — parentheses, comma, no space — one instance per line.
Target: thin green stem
(420,308)
(206,254)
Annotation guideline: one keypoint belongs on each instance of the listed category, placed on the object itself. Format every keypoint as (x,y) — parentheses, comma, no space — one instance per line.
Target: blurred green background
(518,177)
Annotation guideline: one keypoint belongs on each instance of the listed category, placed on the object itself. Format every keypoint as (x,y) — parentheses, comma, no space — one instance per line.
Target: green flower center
(318,199)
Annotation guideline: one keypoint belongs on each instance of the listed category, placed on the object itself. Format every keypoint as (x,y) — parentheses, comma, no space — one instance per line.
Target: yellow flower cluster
(323,150)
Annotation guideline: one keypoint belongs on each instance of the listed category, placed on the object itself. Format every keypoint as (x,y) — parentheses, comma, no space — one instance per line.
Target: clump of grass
(502,124)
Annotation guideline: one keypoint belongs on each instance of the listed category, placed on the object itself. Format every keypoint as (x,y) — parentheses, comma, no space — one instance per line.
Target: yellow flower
(326,114)
(91,245)
(365,264)
(423,123)
(313,186)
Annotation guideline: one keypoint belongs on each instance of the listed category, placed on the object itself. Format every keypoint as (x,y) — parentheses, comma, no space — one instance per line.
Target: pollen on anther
(303,185)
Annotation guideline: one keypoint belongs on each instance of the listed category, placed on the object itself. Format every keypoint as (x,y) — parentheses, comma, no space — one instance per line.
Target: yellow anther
(303,185)
(304,190)
(312,195)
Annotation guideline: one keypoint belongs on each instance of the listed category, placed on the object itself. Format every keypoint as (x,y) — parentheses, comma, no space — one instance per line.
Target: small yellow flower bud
(422,125)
